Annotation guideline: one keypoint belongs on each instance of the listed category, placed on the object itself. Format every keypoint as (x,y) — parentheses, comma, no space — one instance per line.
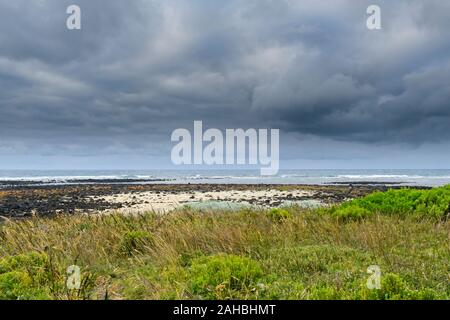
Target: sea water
(409,177)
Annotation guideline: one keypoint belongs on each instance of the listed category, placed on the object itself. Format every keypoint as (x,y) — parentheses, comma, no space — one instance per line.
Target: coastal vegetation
(288,253)
(432,203)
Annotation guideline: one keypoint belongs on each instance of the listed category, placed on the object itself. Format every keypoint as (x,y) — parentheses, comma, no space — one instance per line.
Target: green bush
(14,284)
(278,215)
(393,287)
(25,276)
(433,203)
(18,285)
(36,264)
(213,275)
(135,242)
(351,212)
(324,293)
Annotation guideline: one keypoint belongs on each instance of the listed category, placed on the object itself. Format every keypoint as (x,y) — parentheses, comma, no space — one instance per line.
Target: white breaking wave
(73,178)
(401,177)
(389,176)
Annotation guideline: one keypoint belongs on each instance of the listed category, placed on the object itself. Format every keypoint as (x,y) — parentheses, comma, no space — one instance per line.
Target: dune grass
(250,254)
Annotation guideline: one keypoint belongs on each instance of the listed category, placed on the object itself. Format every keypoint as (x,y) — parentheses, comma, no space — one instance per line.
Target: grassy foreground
(260,254)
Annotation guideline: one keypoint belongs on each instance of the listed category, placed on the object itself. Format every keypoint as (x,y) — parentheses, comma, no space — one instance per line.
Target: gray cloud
(139,69)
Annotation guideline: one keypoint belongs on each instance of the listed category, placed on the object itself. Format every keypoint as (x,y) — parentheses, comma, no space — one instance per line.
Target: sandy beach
(138,202)
(21,201)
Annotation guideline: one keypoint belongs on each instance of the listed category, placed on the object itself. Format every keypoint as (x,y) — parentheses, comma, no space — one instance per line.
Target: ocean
(407,177)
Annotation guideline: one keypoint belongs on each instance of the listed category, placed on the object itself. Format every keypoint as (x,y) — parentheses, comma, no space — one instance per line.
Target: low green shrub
(37,265)
(278,214)
(25,276)
(324,293)
(18,285)
(213,275)
(351,212)
(393,287)
(433,203)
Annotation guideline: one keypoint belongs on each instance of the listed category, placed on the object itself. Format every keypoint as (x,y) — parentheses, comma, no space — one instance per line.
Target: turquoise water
(233,206)
(218,205)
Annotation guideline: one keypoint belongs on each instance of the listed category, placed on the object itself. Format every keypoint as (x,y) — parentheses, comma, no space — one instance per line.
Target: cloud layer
(139,69)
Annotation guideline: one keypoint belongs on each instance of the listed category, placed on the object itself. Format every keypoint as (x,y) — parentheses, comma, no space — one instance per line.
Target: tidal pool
(236,206)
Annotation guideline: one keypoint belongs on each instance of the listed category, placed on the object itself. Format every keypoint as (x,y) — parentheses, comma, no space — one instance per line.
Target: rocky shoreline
(23,200)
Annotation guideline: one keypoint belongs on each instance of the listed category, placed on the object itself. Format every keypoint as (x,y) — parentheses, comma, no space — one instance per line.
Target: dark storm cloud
(139,69)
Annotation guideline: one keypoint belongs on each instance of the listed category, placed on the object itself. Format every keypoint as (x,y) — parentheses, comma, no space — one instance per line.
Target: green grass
(135,241)
(284,253)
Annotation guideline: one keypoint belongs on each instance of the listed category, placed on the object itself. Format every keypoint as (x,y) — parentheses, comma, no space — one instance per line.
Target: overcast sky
(109,95)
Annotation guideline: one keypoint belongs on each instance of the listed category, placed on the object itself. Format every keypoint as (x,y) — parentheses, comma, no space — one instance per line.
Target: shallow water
(234,206)
(218,205)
